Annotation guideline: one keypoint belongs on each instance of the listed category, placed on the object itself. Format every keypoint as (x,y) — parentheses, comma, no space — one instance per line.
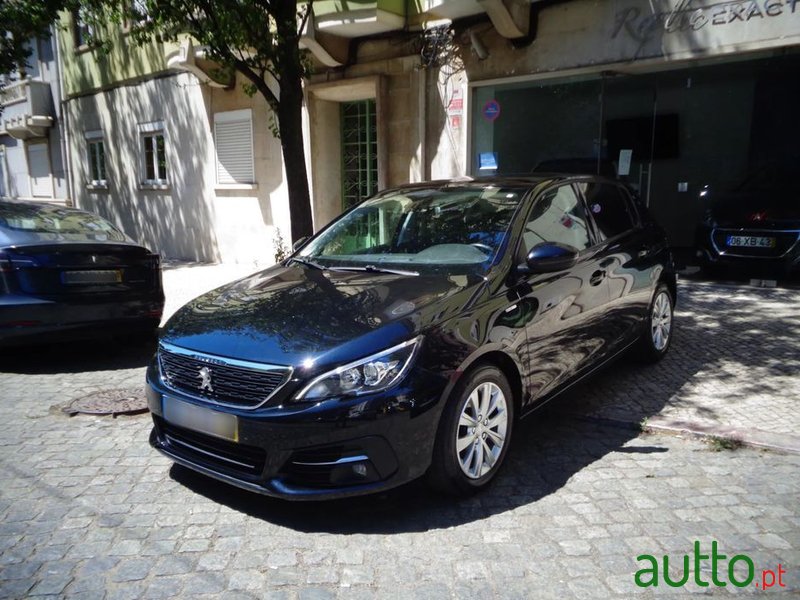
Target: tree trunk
(290,117)
(290,122)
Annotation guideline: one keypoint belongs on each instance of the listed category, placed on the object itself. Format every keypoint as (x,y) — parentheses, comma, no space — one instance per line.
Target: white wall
(194,218)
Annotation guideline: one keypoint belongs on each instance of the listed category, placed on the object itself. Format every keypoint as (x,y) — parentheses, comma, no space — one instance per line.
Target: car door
(625,254)
(565,333)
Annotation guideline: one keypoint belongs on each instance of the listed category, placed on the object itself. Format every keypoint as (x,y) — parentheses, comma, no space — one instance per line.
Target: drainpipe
(66,157)
(652,147)
(422,98)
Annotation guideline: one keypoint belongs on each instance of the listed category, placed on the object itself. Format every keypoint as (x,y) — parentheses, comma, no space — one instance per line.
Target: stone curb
(754,438)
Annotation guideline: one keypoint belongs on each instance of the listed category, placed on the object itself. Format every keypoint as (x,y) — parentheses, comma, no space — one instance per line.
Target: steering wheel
(483,248)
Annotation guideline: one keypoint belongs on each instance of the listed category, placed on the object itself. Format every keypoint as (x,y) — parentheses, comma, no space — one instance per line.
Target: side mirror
(549,257)
(299,243)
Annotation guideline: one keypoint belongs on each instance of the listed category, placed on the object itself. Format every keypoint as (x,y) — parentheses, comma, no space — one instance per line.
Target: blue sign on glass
(487,161)
(491,110)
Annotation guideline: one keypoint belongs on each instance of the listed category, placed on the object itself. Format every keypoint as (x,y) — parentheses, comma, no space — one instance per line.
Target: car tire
(470,448)
(657,333)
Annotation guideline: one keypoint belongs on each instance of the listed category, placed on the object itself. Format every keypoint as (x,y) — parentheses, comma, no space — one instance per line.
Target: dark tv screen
(637,134)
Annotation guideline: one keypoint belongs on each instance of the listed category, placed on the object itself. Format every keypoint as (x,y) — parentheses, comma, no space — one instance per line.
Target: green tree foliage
(21,21)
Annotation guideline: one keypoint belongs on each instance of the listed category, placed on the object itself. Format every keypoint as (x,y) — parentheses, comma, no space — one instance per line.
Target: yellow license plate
(199,418)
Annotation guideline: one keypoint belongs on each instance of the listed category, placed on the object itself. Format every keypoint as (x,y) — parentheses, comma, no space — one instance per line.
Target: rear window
(53,220)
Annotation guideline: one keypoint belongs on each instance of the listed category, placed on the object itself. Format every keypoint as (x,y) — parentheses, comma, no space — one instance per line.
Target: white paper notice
(624,165)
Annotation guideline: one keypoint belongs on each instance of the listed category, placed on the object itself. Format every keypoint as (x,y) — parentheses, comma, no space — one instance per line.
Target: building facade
(182,163)
(671,95)
(31,129)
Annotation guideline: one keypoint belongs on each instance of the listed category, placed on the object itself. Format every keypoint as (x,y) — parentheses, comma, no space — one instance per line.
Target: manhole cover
(109,402)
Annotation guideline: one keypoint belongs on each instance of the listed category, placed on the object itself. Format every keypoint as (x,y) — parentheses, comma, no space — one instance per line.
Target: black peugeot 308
(408,337)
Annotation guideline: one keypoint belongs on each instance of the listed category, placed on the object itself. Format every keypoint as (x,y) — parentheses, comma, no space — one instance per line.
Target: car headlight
(371,374)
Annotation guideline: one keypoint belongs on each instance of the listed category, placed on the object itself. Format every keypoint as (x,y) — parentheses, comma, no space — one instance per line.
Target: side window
(153,159)
(96,155)
(558,216)
(82,31)
(610,209)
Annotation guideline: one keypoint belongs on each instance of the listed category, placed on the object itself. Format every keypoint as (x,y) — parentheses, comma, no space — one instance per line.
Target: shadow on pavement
(77,357)
(731,345)
(546,453)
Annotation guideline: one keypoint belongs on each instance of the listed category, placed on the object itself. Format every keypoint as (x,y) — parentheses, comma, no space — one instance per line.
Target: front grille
(229,457)
(784,240)
(226,382)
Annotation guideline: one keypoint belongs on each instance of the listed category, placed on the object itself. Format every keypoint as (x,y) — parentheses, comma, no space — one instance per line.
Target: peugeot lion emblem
(205,376)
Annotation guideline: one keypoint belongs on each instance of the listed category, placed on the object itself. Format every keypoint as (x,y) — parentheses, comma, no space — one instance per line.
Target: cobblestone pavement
(88,510)
(734,365)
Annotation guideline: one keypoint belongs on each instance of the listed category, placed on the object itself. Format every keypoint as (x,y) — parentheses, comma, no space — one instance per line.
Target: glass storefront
(669,134)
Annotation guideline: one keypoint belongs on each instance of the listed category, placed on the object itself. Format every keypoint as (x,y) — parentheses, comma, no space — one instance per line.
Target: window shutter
(233,135)
(39,167)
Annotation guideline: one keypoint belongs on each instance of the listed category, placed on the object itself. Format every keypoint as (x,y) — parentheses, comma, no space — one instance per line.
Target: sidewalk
(733,370)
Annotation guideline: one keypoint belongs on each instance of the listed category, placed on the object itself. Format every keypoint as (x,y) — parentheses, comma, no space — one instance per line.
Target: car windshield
(423,228)
(54,221)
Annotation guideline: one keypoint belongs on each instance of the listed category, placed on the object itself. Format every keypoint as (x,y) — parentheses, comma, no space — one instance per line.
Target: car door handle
(597,277)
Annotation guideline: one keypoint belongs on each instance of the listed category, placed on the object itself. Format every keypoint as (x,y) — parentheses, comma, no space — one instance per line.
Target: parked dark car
(577,166)
(410,335)
(754,229)
(66,273)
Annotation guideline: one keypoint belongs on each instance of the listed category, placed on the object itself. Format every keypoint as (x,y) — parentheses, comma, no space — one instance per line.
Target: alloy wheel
(661,321)
(481,431)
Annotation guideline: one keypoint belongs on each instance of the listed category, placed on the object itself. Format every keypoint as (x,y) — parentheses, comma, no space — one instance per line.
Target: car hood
(292,315)
(761,209)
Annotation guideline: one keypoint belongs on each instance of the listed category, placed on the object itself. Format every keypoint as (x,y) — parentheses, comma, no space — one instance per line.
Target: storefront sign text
(693,15)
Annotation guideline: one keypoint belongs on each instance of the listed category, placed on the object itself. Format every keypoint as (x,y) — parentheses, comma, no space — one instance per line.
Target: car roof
(525,180)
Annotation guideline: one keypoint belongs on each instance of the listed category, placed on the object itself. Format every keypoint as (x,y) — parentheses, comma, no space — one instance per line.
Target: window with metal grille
(233,138)
(359,151)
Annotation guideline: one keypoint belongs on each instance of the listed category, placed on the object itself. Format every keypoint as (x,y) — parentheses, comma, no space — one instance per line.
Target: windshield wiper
(308,263)
(374,269)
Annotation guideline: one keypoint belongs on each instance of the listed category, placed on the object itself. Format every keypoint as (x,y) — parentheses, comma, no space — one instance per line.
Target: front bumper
(782,262)
(330,449)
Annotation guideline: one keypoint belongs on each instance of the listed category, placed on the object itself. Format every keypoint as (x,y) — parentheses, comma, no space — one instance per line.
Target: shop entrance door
(632,130)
